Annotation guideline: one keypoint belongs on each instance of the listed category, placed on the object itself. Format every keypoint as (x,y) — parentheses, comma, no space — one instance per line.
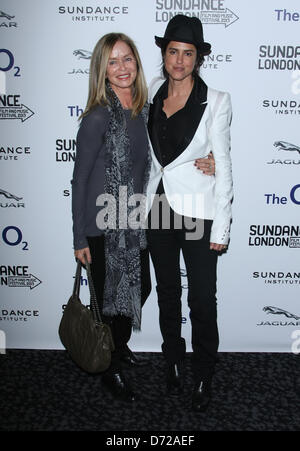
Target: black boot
(133,360)
(116,383)
(201,395)
(174,379)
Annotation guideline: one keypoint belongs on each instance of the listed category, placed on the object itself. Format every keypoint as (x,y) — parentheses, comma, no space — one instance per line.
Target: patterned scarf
(122,289)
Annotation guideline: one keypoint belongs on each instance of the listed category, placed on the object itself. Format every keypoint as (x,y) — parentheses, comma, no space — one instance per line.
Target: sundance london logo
(213,12)
(279,57)
(12,108)
(17,276)
(274,235)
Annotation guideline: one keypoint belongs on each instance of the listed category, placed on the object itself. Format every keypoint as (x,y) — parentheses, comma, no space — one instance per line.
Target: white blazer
(188,190)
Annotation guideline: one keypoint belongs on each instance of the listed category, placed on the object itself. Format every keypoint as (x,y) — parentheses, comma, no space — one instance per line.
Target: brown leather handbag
(86,338)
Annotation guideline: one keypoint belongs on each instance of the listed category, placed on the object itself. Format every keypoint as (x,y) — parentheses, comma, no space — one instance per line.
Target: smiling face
(121,67)
(180,59)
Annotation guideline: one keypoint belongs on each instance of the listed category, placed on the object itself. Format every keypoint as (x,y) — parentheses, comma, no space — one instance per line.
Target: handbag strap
(76,287)
(93,299)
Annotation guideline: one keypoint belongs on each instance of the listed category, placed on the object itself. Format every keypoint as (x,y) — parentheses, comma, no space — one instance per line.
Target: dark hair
(198,63)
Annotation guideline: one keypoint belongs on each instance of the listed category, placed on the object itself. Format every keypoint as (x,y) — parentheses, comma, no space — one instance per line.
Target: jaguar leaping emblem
(278,311)
(9,195)
(83,54)
(283,145)
(7,16)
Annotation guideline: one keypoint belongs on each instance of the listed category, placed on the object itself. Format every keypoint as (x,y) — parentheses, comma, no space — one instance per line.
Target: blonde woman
(113,153)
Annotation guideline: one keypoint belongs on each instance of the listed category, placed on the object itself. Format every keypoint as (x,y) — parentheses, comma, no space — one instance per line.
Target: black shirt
(171,136)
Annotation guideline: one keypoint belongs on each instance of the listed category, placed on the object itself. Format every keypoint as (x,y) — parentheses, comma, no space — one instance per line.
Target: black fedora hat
(185,29)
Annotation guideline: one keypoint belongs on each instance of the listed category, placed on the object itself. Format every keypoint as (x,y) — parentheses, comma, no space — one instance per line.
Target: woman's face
(121,67)
(180,59)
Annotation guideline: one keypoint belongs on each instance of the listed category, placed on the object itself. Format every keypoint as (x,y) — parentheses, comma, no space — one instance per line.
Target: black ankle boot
(174,379)
(118,386)
(201,395)
(133,360)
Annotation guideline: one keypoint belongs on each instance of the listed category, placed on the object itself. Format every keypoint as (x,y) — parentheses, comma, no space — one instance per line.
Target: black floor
(45,391)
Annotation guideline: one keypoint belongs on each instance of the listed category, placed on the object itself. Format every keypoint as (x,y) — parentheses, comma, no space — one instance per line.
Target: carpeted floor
(45,391)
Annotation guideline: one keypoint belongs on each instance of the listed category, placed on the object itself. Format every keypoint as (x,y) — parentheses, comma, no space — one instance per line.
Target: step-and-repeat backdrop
(45,50)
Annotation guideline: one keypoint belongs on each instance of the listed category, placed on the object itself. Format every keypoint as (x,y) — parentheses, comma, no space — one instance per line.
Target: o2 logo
(12,236)
(8,62)
(275,199)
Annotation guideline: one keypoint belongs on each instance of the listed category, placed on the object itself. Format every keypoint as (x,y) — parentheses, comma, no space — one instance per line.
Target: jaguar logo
(283,145)
(7,16)
(279,311)
(82,54)
(9,195)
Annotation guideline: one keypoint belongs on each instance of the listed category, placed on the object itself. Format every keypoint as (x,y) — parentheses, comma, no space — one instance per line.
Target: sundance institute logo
(102,13)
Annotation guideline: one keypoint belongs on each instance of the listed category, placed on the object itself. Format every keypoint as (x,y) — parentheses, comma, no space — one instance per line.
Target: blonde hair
(97,81)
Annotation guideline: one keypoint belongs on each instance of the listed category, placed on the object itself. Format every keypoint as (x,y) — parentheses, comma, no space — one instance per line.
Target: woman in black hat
(112,153)
(187,120)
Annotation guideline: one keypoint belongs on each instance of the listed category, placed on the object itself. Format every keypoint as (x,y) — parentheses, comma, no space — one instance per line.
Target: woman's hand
(83,255)
(206,165)
(218,247)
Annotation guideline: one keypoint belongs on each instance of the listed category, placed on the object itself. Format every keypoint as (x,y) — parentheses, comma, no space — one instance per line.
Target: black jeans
(201,263)
(120,325)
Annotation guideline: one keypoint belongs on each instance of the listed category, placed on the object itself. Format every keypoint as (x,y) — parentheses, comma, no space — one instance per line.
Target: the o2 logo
(7,62)
(12,236)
